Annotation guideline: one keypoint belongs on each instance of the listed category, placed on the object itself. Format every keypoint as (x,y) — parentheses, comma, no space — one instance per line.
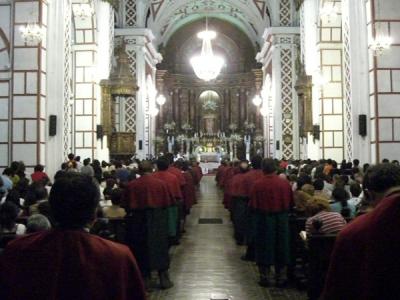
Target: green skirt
(272,238)
(173,217)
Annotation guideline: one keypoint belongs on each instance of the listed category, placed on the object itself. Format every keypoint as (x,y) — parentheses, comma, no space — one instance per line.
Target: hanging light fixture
(328,12)
(207,66)
(380,44)
(161,100)
(257,100)
(83,11)
(264,111)
(153,111)
(32,34)
(381,41)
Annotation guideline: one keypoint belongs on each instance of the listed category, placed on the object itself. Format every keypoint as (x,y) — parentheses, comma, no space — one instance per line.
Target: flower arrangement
(249,125)
(181,138)
(186,127)
(235,138)
(169,126)
(259,139)
(233,126)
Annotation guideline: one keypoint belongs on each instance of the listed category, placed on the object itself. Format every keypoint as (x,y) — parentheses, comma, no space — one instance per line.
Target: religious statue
(209,124)
(171,142)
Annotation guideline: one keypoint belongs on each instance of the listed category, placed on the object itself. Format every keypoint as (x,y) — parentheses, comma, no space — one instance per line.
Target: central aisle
(208,260)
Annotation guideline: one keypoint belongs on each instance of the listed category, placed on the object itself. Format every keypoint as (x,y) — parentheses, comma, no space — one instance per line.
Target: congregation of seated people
(148,200)
(339,222)
(291,212)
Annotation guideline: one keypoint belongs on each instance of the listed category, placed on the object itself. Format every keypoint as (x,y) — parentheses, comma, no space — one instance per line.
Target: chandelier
(83,11)
(380,44)
(207,66)
(328,12)
(32,34)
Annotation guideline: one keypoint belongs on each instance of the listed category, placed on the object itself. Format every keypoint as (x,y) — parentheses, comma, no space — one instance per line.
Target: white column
(5,83)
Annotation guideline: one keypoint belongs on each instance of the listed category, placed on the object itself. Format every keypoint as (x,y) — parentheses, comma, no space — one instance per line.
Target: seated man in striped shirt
(322,221)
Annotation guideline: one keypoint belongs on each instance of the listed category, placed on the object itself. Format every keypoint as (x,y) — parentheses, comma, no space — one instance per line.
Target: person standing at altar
(148,199)
(176,193)
(271,198)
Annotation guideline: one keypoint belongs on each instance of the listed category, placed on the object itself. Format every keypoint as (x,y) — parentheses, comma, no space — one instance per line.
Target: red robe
(199,172)
(249,179)
(147,191)
(68,264)
(237,186)
(365,262)
(189,191)
(227,185)
(219,177)
(271,194)
(172,182)
(178,173)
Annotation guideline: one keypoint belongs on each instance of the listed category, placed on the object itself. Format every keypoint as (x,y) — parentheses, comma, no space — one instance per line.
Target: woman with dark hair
(98,172)
(8,217)
(36,194)
(14,197)
(341,205)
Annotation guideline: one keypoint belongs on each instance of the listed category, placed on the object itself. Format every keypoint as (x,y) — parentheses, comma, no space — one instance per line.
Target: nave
(207,262)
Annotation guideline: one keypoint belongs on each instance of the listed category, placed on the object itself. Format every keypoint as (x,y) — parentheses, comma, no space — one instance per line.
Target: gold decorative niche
(120,84)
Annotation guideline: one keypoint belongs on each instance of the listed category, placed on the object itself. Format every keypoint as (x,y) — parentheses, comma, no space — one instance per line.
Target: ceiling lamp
(161,100)
(328,12)
(257,100)
(381,41)
(380,44)
(207,66)
(154,111)
(32,34)
(264,111)
(83,11)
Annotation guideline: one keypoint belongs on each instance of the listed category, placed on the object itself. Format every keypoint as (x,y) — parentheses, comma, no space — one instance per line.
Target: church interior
(210,123)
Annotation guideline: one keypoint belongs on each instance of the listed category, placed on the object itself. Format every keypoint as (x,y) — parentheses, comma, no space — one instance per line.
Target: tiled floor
(208,260)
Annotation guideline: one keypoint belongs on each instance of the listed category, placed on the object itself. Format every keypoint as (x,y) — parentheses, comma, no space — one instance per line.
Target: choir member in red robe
(199,172)
(67,262)
(221,173)
(189,188)
(148,200)
(232,171)
(239,202)
(250,178)
(174,189)
(365,261)
(271,197)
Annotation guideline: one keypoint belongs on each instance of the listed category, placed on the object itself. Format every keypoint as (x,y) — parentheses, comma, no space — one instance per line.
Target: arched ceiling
(168,16)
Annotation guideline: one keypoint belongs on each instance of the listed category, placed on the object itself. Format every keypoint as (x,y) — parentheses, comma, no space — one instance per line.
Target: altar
(210,157)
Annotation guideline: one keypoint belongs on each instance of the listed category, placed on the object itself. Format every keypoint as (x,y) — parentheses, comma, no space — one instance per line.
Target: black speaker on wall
(99,132)
(278,145)
(52,125)
(140,145)
(316,132)
(362,125)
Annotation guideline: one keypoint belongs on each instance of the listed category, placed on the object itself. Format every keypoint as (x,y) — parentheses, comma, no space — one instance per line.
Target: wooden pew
(320,247)
(5,238)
